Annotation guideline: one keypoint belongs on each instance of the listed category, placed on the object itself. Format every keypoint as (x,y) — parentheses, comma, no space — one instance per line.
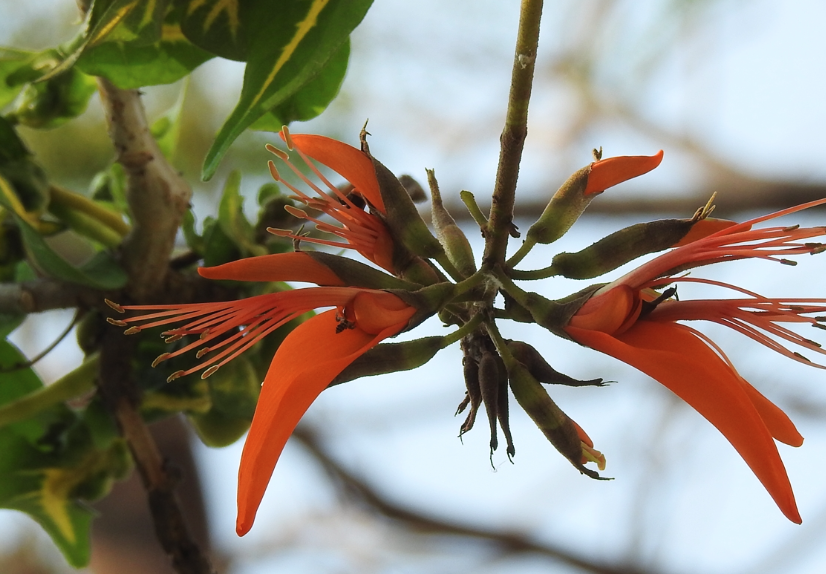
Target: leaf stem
(79,203)
(71,385)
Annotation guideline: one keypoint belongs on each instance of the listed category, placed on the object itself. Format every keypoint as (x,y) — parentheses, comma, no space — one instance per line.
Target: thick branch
(120,394)
(43,295)
(157,195)
(513,135)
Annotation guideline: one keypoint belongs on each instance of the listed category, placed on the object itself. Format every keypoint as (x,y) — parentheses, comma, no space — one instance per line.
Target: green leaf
(289,46)
(10,61)
(167,129)
(129,65)
(51,103)
(193,240)
(34,482)
(101,272)
(19,382)
(115,21)
(216,26)
(312,99)
(232,220)
(218,247)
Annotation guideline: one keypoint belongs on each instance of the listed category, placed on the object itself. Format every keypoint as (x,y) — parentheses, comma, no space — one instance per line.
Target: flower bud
(390,358)
(456,245)
(356,274)
(627,244)
(470,370)
(403,219)
(576,193)
(542,371)
(557,427)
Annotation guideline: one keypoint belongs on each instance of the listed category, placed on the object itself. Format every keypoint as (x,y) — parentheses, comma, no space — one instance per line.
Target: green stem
(443,260)
(470,283)
(476,213)
(511,288)
(75,383)
(523,250)
(534,274)
(513,134)
(79,203)
(462,331)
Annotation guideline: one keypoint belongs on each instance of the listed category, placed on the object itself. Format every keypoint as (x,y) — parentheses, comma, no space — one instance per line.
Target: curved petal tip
(614,170)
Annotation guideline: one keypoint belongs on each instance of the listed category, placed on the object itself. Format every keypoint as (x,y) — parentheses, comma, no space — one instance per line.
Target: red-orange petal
(614,170)
(671,354)
(276,267)
(305,363)
(779,424)
(349,162)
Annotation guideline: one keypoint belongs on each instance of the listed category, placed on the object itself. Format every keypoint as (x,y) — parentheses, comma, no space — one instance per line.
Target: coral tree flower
(360,230)
(632,322)
(304,364)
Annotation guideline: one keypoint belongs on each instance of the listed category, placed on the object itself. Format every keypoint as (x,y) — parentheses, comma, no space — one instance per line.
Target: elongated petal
(672,355)
(614,170)
(305,363)
(349,162)
(779,424)
(277,267)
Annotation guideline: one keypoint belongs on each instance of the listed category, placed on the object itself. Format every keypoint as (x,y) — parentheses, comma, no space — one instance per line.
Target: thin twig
(506,541)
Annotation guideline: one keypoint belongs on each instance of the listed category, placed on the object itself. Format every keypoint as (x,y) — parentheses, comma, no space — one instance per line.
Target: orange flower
(630,321)
(304,364)
(363,231)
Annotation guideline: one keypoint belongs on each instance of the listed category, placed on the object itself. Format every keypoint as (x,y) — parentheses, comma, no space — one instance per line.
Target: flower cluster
(636,318)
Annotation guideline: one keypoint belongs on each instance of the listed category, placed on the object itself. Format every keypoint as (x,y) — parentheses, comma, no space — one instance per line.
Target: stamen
(175,375)
(159,359)
(210,371)
(801,356)
(788,262)
(114,306)
(202,352)
(280,154)
(295,212)
(116,322)
(792,227)
(285,132)
(133,330)
(173,338)
(280,232)
(273,171)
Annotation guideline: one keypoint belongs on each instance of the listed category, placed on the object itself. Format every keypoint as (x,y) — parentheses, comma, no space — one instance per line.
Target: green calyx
(562,211)
(619,248)
(403,218)
(455,243)
(390,358)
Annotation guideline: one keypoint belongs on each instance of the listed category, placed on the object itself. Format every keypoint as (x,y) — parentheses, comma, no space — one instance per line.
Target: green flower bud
(576,193)
(455,243)
(557,427)
(390,358)
(403,219)
(542,371)
(627,244)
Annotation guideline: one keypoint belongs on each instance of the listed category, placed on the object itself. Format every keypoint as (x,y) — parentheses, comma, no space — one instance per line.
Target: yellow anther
(209,371)
(133,330)
(115,322)
(114,306)
(161,357)
(175,375)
